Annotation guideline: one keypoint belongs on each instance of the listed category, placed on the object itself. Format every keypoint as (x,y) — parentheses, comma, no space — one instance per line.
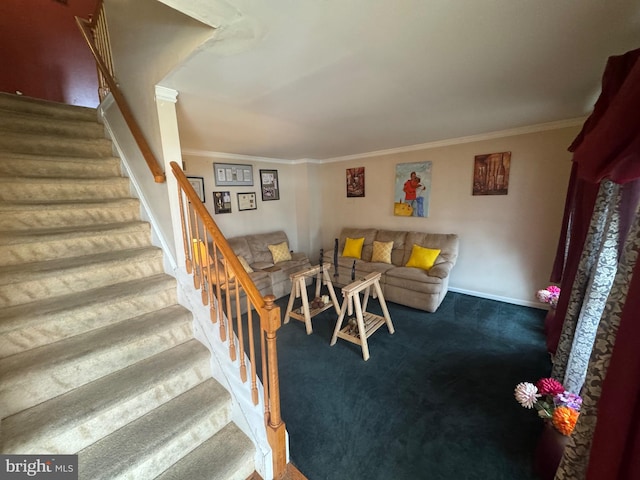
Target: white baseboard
(488,296)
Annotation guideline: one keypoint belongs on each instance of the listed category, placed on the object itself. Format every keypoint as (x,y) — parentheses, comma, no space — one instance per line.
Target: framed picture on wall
(412,189)
(269,185)
(491,173)
(198,185)
(355,182)
(247,201)
(233,175)
(222,202)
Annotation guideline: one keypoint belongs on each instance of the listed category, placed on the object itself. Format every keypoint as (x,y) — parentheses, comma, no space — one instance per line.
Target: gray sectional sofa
(409,286)
(269,278)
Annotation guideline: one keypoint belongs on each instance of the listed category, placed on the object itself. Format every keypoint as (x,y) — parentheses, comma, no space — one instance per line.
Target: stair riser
(25,191)
(72,247)
(12,103)
(10,122)
(68,216)
(14,166)
(36,385)
(42,145)
(55,326)
(39,286)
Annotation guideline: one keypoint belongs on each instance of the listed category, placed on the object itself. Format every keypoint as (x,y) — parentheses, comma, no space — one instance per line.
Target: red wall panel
(42,52)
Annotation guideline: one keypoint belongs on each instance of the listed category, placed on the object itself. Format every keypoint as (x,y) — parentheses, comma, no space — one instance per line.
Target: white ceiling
(293,79)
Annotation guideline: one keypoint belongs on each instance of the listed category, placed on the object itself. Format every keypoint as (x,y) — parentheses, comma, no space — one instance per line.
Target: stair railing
(96,35)
(228,291)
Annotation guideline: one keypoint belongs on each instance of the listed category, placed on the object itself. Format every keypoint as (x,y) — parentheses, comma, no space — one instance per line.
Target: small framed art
(233,175)
(222,202)
(198,185)
(355,182)
(269,185)
(247,201)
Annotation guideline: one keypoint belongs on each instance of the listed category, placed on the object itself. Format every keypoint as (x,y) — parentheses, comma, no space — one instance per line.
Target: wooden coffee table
(366,323)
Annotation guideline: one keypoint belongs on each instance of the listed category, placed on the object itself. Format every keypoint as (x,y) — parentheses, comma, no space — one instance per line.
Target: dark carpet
(434,401)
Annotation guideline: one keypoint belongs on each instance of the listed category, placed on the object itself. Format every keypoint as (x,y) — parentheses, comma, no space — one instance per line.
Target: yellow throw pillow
(280,252)
(353,247)
(382,252)
(423,258)
(245,265)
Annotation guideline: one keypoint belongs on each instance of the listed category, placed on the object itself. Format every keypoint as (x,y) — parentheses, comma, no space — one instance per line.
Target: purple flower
(568,399)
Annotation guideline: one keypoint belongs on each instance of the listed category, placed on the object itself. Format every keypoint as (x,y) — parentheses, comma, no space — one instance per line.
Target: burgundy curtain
(615,451)
(608,147)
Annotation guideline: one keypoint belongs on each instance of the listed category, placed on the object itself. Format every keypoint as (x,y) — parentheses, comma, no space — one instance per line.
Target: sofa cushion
(240,247)
(369,235)
(381,252)
(353,247)
(245,264)
(414,279)
(446,243)
(398,239)
(259,245)
(260,279)
(280,252)
(422,257)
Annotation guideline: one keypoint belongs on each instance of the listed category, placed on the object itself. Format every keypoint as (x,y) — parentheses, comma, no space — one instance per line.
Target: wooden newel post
(276,433)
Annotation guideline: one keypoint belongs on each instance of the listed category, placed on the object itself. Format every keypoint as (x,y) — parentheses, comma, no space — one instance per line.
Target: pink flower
(549,386)
(553,290)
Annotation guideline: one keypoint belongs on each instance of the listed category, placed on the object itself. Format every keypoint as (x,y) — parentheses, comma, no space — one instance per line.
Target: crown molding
(235,156)
(540,127)
(167,94)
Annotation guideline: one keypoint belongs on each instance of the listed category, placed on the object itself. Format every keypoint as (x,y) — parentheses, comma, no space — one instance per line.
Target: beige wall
(507,242)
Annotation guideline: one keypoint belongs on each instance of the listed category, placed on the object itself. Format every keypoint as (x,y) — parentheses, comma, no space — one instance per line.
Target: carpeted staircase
(96,356)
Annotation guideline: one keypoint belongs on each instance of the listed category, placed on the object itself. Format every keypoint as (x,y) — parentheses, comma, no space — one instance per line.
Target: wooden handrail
(216,271)
(152,162)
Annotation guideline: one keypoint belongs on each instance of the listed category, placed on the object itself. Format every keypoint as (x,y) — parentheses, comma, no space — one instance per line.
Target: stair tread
(11,274)
(74,180)
(22,103)
(54,158)
(65,414)
(49,234)
(156,434)
(45,136)
(12,120)
(28,314)
(234,460)
(71,349)
(38,205)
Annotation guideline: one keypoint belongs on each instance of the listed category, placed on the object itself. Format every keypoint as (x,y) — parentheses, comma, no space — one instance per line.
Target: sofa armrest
(441,270)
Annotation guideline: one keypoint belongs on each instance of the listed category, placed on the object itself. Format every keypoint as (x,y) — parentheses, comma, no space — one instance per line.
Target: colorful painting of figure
(412,189)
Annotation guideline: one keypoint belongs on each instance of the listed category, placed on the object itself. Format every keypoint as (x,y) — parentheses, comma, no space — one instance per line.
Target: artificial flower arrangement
(552,401)
(549,295)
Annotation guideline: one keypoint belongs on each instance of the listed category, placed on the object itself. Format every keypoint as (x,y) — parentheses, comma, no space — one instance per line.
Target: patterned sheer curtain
(597,267)
(575,462)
